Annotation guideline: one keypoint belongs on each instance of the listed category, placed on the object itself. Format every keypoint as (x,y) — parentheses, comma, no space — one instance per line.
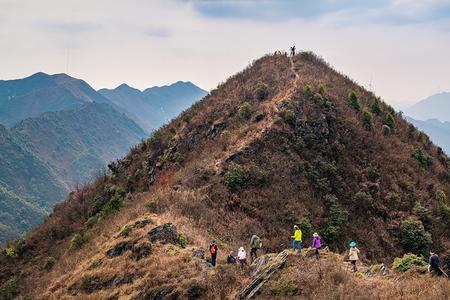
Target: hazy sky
(401,47)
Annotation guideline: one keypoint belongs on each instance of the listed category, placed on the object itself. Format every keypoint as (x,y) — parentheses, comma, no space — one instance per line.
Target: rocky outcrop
(120,248)
(264,275)
(166,234)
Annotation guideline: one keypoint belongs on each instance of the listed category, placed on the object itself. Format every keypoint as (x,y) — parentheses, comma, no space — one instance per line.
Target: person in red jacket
(213,248)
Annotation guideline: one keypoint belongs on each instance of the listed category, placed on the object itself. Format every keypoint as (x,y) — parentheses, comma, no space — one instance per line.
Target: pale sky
(400,48)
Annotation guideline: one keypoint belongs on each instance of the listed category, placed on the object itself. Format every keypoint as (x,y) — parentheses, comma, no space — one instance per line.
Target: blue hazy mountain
(39,93)
(433,107)
(439,132)
(156,105)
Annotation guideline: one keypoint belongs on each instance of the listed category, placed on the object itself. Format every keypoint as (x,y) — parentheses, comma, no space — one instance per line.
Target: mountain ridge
(285,141)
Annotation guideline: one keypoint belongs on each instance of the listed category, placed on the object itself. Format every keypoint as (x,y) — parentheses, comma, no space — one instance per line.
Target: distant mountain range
(154,106)
(433,107)
(432,115)
(40,93)
(57,132)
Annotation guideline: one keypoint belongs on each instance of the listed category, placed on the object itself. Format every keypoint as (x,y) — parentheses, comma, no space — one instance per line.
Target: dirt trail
(271,110)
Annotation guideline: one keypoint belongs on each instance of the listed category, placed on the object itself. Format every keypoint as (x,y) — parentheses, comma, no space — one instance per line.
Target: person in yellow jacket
(297,239)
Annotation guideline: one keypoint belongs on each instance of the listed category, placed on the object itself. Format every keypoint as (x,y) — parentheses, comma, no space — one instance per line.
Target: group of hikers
(297,244)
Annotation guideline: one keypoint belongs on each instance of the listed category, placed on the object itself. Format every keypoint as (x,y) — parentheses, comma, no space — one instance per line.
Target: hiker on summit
(433,266)
(213,248)
(297,239)
(255,244)
(242,257)
(293,50)
(353,255)
(316,244)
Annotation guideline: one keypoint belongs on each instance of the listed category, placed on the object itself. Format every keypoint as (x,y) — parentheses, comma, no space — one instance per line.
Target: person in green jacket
(255,244)
(297,239)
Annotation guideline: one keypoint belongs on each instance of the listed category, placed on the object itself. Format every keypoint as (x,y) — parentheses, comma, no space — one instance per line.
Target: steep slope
(39,93)
(154,106)
(283,140)
(438,131)
(28,186)
(43,158)
(433,107)
(77,143)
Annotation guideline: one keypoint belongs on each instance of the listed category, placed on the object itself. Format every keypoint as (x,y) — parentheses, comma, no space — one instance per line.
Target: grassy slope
(334,160)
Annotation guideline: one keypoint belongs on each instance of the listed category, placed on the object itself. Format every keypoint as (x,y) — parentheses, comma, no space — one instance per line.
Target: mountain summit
(39,93)
(286,141)
(433,107)
(156,105)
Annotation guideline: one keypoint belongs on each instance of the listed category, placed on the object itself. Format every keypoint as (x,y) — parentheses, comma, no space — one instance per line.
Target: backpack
(256,242)
(212,249)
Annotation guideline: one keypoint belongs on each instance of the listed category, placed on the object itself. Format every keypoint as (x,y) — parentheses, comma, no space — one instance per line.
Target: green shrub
(85,283)
(91,221)
(15,248)
(177,158)
(337,216)
(299,146)
(440,196)
(285,289)
(367,119)
(389,120)
(261,177)
(321,89)
(49,263)
(363,199)
(371,173)
(114,204)
(262,92)
(151,206)
(445,211)
(394,196)
(235,177)
(9,290)
(413,237)
(422,212)
(78,241)
(353,100)
(409,260)
(155,138)
(422,157)
(126,230)
(172,130)
(307,90)
(375,107)
(245,110)
(289,116)
(182,240)
(305,225)
(186,118)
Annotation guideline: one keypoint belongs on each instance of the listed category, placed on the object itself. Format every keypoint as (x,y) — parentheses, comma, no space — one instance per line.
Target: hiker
(242,257)
(316,244)
(213,250)
(293,50)
(433,265)
(353,255)
(255,244)
(297,239)
(231,259)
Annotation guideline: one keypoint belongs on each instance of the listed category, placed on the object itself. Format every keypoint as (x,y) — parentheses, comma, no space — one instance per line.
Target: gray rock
(166,234)
(120,248)
(259,263)
(199,253)
(141,251)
